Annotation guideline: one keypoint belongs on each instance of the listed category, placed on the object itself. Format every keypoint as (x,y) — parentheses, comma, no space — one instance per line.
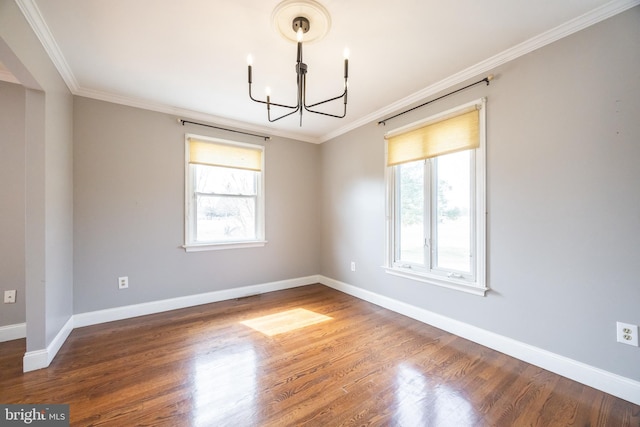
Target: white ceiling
(188,57)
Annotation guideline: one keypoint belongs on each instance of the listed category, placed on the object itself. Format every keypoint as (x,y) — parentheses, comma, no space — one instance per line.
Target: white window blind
(224,155)
(435,138)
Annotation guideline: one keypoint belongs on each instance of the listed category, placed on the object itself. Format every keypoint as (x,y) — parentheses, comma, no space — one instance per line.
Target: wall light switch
(10,296)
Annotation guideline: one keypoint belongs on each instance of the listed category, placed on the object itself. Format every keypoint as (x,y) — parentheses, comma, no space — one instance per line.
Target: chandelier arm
(271,103)
(329,114)
(306,107)
(281,117)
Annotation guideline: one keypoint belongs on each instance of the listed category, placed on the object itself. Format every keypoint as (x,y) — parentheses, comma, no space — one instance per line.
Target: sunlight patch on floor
(285,321)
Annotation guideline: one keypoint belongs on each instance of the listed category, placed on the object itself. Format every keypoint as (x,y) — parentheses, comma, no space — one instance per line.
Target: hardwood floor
(358,364)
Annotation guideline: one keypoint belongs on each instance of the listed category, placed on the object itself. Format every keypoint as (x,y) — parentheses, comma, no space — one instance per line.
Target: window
(436,199)
(224,192)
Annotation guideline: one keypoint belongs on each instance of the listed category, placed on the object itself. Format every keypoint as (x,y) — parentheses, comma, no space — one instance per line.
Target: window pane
(411,212)
(219,180)
(452,246)
(225,218)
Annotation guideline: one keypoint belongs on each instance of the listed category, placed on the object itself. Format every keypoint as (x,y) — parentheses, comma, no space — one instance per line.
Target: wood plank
(363,365)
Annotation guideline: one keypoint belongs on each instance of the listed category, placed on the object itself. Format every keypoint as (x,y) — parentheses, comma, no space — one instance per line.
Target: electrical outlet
(353,266)
(123,282)
(10,296)
(627,333)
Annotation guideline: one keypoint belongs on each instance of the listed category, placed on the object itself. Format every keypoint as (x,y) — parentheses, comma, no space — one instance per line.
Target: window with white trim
(224,194)
(436,199)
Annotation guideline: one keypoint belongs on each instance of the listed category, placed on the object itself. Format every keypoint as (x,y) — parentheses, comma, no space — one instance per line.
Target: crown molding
(33,16)
(35,19)
(190,114)
(590,18)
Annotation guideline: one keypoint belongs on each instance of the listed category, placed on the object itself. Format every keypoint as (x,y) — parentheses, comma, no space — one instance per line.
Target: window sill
(222,246)
(457,285)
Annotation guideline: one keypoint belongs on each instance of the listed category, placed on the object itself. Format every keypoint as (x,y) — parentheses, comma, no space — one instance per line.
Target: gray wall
(129,211)
(563,204)
(48,182)
(563,146)
(12,195)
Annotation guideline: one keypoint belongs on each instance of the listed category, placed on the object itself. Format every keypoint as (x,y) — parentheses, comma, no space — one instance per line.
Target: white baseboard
(129,311)
(42,358)
(605,381)
(38,359)
(13,332)
(34,360)
(616,385)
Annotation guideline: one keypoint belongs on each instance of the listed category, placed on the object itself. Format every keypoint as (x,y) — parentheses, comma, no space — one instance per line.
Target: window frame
(190,205)
(477,284)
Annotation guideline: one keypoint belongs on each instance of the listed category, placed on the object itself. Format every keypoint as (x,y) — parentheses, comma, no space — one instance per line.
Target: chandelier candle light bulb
(346,62)
(299,55)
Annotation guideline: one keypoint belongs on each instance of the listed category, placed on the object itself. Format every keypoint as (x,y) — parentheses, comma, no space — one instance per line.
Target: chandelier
(301,26)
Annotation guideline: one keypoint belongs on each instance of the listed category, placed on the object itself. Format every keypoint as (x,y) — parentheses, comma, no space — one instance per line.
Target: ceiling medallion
(313,11)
